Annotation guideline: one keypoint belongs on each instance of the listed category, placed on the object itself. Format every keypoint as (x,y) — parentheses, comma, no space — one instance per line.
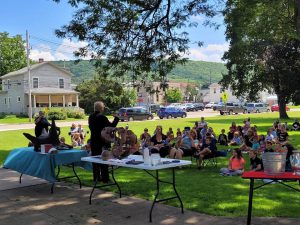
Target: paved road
(7,127)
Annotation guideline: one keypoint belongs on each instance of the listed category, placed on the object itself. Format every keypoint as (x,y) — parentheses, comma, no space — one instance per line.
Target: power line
(52,42)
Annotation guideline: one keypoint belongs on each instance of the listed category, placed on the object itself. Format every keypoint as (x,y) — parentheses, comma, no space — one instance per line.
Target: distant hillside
(192,71)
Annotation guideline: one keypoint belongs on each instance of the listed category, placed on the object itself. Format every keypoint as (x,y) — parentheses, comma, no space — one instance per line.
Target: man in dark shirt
(97,121)
(255,162)
(41,123)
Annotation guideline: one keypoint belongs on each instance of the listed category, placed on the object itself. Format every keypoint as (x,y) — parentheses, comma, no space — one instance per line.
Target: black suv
(134,113)
(154,108)
(198,106)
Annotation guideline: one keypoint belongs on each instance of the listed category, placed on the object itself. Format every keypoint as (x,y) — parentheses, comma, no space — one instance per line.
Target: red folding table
(280,179)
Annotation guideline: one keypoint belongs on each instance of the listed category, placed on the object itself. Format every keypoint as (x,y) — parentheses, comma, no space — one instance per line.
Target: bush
(56,114)
(73,113)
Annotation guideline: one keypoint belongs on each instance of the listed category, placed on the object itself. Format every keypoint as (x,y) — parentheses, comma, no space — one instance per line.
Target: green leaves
(173,95)
(12,53)
(135,35)
(263,42)
(110,92)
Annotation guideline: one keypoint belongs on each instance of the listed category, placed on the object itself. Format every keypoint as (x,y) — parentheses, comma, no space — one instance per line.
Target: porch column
(64,101)
(49,101)
(77,101)
(34,101)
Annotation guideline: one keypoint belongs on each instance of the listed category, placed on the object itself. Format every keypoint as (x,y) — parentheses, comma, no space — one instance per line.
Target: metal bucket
(274,162)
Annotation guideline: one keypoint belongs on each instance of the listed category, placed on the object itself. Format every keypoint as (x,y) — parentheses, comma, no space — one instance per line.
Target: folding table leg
(250,201)
(174,188)
(20,179)
(156,195)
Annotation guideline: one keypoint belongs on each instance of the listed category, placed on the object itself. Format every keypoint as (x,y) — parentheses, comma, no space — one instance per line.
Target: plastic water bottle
(147,159)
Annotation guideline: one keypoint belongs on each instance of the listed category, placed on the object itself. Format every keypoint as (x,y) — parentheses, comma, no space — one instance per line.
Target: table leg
(20,179)
(157,193)
(58,171)
(95,185)
(52,187)
(73,168)
(250,201)
(174,187)
(106,185)
(113,177)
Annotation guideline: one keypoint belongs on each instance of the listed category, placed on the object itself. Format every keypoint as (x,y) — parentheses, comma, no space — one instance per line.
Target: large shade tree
(111,92)
(12,53)
(140,36)
(263,36)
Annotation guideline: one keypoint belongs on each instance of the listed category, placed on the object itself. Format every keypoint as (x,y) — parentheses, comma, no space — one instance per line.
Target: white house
(50,87)
(214,94)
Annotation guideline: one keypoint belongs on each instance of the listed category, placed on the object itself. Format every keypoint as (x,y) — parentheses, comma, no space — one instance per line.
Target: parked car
(190,107)
(275,108)
(154,108)
(230,108)
(210,105)
(257,107)
(170,112)
(199,106)
(134,113)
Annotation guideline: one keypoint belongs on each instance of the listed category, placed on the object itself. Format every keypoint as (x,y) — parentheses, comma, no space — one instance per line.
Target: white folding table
(165,164)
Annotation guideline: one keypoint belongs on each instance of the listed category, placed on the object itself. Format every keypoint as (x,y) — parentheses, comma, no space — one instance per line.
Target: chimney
(41,60)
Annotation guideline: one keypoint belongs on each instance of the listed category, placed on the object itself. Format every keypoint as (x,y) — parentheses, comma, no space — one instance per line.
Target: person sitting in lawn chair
(208,149)
(159,142)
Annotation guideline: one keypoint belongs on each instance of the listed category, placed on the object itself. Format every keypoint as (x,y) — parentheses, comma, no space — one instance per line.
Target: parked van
(134,113)
(257,107)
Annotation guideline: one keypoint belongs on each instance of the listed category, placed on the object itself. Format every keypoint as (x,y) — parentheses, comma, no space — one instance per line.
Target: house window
(8,84)
(19,99)
(215,90)
(61,83)
(35,82)
(5,101)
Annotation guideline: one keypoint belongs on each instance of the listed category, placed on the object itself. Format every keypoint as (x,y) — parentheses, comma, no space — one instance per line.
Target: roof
(33,67)
(52,91)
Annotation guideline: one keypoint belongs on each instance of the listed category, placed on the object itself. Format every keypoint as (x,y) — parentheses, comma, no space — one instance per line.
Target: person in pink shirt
(236,164)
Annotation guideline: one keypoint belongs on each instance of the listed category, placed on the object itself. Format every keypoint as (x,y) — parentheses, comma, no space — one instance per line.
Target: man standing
(41,123)
(97,121)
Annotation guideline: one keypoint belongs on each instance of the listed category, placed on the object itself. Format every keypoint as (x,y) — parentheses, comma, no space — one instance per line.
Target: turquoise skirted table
(27,161)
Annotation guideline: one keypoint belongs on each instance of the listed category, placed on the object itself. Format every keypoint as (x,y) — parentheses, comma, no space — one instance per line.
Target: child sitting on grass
(236,140)
(222,140)
(255,162)
(236,164)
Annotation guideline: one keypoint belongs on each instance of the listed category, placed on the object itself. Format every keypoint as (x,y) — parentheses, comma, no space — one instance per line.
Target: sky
(42,17)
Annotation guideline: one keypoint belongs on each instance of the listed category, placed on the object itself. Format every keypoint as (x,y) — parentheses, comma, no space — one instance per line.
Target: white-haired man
(97,121)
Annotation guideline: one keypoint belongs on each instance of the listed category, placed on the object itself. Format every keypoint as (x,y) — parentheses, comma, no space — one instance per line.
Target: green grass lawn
(201,190)
(14,119)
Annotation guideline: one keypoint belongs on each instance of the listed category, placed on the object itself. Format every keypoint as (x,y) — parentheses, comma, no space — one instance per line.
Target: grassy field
(13,119)
(201,190)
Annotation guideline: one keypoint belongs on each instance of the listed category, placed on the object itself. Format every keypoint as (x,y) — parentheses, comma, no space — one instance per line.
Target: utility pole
(29,78)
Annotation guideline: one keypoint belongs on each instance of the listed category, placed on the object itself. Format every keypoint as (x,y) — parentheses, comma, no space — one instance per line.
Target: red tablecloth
(262,175)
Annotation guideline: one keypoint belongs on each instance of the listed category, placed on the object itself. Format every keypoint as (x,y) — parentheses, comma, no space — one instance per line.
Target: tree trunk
(282,107)
(297,16)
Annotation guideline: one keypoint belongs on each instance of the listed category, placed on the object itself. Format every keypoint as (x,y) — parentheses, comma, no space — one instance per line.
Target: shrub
(56,114)
(73,113)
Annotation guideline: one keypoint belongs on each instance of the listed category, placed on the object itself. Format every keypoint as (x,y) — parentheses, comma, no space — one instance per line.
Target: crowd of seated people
(200,141)
(77,134)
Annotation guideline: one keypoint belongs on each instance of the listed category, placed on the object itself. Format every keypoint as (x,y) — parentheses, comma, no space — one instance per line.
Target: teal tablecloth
(29,162)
